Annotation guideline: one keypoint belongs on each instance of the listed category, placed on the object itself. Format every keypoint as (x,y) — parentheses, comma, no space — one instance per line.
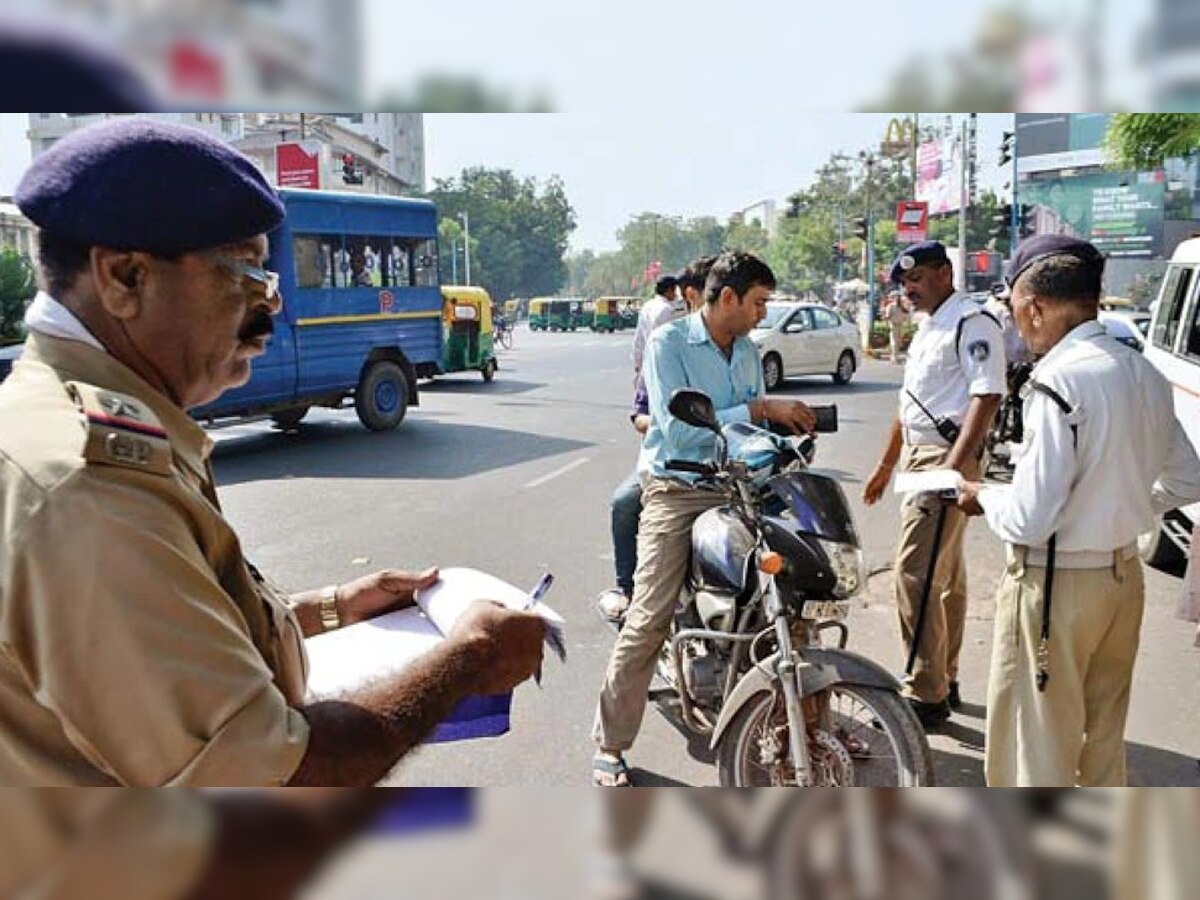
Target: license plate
(824,610)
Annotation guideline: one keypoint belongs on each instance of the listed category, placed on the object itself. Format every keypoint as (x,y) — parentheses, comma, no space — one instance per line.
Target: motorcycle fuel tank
(722,552)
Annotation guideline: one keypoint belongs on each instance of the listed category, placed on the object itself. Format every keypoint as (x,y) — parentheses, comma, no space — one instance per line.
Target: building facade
(381,153)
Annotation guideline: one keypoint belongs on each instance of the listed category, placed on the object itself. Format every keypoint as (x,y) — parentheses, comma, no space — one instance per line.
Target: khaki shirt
(68,843)
(137,647)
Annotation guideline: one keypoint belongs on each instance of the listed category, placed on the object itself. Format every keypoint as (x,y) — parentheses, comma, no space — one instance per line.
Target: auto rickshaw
(467,331)
(564,315)
(607,316)
(537,314)
(512,310)
(629,311)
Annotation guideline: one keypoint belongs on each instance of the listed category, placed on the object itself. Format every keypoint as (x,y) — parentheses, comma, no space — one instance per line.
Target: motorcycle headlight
(848,567)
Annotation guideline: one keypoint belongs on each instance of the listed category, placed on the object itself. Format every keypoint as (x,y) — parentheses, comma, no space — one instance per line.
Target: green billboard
(1120,212)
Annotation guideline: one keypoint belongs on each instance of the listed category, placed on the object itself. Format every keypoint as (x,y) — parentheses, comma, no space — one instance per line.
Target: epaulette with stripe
(122,430)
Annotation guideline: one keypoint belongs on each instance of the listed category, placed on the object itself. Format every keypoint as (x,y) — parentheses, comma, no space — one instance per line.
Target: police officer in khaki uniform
(137,645)
(954,380)
(1103,457)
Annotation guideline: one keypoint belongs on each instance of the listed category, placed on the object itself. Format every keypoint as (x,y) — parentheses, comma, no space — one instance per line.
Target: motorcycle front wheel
(870,738)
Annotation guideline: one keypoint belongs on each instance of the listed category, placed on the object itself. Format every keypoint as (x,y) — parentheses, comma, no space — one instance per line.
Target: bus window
(312,265)
(425,263)
(399,263)
(1173,299)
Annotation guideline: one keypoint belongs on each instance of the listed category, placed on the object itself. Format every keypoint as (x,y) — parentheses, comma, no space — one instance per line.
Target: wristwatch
(330,619)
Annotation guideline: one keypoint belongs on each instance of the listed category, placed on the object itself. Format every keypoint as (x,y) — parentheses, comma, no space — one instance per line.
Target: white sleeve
(981,355)
(1041,486)
(639,340)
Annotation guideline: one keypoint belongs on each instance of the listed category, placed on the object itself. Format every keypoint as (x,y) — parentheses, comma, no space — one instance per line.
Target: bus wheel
(289,419)
(381,399)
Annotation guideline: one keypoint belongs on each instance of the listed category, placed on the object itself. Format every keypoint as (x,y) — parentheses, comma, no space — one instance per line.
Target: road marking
(538,482)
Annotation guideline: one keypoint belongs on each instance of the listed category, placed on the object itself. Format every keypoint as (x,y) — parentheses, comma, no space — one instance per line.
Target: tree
(1144,141)
(519,228)
(17,287)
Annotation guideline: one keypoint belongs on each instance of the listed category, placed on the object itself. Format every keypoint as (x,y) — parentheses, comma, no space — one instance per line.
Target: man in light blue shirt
(710,351)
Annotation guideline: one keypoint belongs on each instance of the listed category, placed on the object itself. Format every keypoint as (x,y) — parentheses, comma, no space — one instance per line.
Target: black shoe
(953,697)
(930,715)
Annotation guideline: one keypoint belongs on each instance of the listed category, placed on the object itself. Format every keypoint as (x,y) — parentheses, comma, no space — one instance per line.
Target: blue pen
(539,591)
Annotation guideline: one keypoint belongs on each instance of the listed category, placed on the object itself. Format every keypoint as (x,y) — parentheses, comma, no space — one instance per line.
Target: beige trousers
(1074,732)
(664,547)
(942,633)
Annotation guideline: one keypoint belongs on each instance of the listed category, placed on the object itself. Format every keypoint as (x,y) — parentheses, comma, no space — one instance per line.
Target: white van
(1173,346)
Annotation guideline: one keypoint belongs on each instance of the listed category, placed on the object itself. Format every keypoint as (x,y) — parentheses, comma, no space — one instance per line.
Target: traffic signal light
(1001,221)
(861,228)
(1026,226)
(351,173)
(1006,147)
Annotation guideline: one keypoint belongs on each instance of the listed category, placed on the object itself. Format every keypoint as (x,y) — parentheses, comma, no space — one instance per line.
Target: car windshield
(776,313)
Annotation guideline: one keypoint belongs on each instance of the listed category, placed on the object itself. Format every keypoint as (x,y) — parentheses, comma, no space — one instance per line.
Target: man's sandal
(609,772)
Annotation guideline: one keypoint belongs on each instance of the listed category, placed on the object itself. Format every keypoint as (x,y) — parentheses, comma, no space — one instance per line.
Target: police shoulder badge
(979,351)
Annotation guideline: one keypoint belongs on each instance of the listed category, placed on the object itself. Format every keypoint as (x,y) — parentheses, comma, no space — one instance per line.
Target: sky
(617,165)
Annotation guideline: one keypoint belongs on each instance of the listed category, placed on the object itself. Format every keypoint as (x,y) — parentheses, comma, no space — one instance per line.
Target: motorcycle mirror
(695,408)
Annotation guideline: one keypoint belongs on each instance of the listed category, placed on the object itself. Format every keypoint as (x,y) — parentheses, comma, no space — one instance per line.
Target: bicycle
(504,334)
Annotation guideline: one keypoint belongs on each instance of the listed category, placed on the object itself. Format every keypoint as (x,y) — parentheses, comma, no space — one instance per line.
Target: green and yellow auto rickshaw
(607,316)
(512,310)
(564,315)
(468,341)
(538,320)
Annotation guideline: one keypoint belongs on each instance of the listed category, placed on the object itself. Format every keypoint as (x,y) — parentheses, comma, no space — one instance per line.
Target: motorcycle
(773,571)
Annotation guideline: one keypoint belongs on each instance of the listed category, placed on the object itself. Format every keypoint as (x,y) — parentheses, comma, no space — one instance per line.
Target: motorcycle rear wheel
(874,729)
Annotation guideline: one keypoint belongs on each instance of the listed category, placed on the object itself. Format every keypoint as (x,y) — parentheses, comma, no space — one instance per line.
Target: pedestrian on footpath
(1103,457)
(137,645)
(710,351)
(953,383)
(625,507)
(897,317)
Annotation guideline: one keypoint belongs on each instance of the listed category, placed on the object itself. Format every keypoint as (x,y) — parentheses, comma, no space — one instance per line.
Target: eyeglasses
(268,279)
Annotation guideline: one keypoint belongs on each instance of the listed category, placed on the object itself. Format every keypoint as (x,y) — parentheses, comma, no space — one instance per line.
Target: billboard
(912,221)
(939,175)
(1121,213)
(297,165)
(1050,141)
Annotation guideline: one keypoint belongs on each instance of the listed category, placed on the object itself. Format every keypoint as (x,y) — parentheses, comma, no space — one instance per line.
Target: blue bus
(361,317)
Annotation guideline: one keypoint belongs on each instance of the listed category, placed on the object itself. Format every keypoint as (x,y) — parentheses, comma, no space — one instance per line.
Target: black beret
(1046,245)
(919,254)
(666,283)
(139,184)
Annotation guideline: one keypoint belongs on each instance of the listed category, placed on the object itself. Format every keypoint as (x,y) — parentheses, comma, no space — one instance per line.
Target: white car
(805,339)
(1127,327)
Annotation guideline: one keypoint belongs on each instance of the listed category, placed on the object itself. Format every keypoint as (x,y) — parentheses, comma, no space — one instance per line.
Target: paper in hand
(943,482)
(457,588)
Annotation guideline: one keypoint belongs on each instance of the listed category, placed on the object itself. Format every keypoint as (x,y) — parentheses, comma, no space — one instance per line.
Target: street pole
(916,128)
(870,163)
(1014,225)
(466,220)
(841,276)
(453,262)
(961,279)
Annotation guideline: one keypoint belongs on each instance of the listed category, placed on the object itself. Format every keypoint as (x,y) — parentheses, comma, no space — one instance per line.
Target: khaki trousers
(1074,732)
(942,633)
(664,547)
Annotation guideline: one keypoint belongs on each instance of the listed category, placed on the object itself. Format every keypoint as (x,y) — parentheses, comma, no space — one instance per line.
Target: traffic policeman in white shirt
(665,306)
(954,380)
(1103,456)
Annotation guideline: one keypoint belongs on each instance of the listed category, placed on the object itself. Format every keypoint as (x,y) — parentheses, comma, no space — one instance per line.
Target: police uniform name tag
(121,430)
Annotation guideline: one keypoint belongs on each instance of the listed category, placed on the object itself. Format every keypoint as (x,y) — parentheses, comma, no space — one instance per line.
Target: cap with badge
(919,254)
(139,184)
(1045,246)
